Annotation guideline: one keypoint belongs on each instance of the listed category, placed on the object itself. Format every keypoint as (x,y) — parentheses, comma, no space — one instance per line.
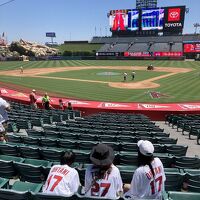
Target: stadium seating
(30,158)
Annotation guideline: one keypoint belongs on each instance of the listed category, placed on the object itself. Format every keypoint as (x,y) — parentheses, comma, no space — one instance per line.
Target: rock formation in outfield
(6,53)
(32,49)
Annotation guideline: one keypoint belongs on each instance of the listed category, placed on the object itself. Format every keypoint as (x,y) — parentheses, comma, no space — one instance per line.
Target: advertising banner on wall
(192,48)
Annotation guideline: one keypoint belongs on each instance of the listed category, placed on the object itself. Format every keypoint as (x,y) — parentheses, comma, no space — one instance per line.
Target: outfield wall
(155,111)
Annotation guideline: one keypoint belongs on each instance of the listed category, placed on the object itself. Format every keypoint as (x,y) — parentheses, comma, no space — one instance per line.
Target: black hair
(145,160)
(68,158)
(102,171)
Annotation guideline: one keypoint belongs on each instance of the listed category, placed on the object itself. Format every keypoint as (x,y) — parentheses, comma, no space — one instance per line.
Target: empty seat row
(177,150)
(122,158)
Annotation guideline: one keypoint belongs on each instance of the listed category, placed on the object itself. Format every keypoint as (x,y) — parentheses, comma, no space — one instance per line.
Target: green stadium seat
(35,162)
(129,147)
(35,134)
(187,162)
(192,171)
(8,149)
(166,140)
(7,194)
(29,152)
(14,139)
(87,145)
(26,186)
(183,196)
(40,196)
(51,154)
(31,173)
(45,142)
(176,150)
(7,169)
(52,134)
(174,181)
(67,144)
(193,183)
(11,158)
(31,141)
(4,183)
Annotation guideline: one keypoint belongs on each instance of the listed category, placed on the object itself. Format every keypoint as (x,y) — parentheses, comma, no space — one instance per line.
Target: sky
(72,20)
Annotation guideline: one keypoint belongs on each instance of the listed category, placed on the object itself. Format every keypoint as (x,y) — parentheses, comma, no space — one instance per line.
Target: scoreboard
(166,20)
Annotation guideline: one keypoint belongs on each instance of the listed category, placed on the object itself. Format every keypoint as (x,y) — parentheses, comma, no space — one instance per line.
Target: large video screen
(192,48)
(167,19)
(124,20)
(152,19)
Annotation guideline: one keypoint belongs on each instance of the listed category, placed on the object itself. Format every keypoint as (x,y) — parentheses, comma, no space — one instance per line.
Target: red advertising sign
(168,54)
(174,15)
(156,54)
(192,48)
(137,54)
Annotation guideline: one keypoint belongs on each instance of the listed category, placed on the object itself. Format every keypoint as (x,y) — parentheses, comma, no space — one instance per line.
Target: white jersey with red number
(62,180)
(144,185)
(108,187)
(3,105)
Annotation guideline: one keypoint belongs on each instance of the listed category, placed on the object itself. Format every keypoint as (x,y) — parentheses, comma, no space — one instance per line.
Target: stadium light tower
(146,4)
(196,26)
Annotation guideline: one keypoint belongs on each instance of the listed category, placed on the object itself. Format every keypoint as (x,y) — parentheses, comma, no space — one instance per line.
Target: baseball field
(170,81)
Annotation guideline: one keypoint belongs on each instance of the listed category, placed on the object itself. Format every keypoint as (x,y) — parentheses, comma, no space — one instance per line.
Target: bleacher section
(187,123)
(151,45)
(159,39)
(29,156)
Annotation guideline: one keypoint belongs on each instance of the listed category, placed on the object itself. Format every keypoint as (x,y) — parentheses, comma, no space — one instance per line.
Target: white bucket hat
(145,147)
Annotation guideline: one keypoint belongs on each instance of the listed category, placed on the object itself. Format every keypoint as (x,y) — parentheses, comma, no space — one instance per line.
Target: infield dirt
(145,84)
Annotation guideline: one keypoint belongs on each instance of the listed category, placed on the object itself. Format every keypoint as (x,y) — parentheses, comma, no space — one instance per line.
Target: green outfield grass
(93,74)
(179,88)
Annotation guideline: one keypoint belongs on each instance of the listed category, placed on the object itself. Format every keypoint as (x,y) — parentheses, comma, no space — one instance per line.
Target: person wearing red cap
(148,179)
(102,178)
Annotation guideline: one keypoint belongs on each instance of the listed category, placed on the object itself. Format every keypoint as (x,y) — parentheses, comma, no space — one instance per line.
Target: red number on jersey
(96,188)
(154,183)
(58,179)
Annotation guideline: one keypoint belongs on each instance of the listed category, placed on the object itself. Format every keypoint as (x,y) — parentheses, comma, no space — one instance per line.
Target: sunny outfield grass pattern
(180,87)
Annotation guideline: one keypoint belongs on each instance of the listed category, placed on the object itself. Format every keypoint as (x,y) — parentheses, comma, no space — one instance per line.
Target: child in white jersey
(102,178)
(148,179)
(62,179)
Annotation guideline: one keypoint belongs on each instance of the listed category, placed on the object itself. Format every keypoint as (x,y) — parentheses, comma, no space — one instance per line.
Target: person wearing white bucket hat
(148,179)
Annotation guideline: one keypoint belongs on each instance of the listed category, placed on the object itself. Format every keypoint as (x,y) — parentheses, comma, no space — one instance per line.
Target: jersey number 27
(96,188)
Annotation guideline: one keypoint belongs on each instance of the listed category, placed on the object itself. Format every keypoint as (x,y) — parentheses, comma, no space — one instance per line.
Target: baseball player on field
(149,178)
(62,179)
(102,178)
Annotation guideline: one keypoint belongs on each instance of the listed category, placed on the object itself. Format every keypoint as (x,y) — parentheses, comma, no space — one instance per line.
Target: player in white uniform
(102,178)
(148,179)
(62,179)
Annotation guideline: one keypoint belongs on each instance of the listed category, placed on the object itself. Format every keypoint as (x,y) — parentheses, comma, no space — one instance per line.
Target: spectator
(69,106)
(33,99)
(102,178)
(46,102)
(148,179)
(61,104)
(63,179)
(4,107)
(2,133)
